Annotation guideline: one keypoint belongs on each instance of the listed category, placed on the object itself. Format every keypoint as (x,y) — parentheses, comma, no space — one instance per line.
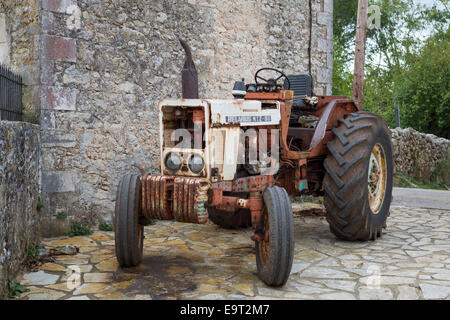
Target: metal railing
(10,95)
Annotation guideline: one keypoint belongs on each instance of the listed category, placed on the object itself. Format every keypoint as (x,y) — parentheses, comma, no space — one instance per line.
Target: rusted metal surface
(246,184)
(167,198)
(252,184)
(280,95)
(230,204)
(223,185)
(156,191)
(256,206)
(328,119)
(301,182)
(264,245)
(190,196)
(189,77)
(286,179)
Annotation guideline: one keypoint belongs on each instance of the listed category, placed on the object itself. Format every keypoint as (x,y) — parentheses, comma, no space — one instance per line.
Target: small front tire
(274,254)
(129,234)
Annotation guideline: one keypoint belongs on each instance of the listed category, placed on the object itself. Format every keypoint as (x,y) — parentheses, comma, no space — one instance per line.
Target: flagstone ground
(187,261)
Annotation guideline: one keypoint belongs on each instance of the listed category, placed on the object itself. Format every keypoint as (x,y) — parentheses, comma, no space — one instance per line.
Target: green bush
(104,226)
(61,215)
(15,288)
(77,229)
(33,251)
(39,206)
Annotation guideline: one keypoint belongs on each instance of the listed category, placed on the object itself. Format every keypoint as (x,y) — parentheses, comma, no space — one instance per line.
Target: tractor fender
(329,116)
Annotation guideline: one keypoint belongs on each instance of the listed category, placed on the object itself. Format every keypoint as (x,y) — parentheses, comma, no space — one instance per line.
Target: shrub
(104,226)
(61,215)
(77,229)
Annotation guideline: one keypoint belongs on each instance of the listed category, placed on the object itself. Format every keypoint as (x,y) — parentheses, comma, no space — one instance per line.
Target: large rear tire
(359,177)
(274,255)
(129,234)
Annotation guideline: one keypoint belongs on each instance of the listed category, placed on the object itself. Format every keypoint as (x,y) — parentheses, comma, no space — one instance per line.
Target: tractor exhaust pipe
(189,78)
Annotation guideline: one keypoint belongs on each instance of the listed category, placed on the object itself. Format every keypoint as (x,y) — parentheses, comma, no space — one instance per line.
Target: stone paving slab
(187,261)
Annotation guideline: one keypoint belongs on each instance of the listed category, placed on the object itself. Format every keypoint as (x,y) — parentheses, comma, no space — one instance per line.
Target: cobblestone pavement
(186,261)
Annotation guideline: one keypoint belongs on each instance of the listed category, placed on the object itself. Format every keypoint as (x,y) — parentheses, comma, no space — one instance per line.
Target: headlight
(173,162)
(196,163)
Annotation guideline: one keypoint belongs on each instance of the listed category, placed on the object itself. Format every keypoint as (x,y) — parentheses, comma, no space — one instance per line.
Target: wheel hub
(377,178)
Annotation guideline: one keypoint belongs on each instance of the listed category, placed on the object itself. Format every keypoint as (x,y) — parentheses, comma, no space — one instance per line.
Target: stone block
(47,72)
(58,181)
(4,41)
(323,45)
(323,18)
(59,6)
(47,22)
(59,48)
(59,98)
(54,138)
(328,6)
(323,75)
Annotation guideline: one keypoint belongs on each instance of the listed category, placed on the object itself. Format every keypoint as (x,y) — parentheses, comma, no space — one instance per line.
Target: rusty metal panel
(190,196)
(189,77)
(253,183)
(155,197)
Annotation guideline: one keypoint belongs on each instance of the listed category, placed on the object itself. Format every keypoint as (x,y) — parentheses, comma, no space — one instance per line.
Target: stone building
(95,69)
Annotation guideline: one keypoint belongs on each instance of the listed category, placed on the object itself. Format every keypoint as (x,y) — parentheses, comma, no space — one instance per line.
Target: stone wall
(106,63)
(417,154)
(20,49)
(19,194)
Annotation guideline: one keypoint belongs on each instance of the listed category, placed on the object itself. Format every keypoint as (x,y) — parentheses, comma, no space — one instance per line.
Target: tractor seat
(301,84)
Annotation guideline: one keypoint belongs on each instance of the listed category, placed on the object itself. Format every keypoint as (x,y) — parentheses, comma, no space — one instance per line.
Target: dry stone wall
(19,195)
(106,63)
(417,154)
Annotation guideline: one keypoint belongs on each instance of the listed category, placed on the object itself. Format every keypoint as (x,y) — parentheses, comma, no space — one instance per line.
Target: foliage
(77,229)
(33,251)
(61,215)
(406,62)
(425,88)
(15,288)
(39,206)
(104,226)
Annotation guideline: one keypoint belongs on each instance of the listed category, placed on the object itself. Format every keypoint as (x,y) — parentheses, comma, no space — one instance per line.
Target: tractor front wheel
(274,254)
(129,234)
(359,177)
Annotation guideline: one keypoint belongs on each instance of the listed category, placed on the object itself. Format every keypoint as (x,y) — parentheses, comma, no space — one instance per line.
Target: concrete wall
(19,194)
(106,63)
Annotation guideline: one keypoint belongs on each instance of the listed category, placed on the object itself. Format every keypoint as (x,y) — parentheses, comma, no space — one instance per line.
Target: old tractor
(237,162)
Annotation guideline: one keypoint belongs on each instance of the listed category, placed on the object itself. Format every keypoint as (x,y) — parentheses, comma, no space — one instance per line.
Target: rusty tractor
(237,162)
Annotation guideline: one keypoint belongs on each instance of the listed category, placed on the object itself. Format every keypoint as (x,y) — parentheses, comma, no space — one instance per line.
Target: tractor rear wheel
(274,254)
(129,234)
(359,177)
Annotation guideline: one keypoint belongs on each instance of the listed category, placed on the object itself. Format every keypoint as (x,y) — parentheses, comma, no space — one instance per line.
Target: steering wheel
(272,81)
